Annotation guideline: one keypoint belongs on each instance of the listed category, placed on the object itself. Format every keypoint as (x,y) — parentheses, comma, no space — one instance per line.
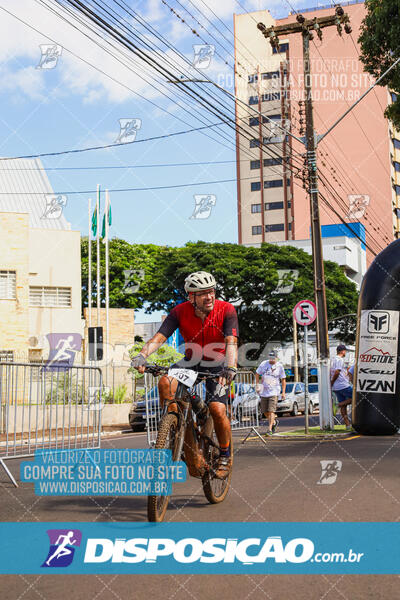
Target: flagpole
(98,254)
(90,263)
(106,213)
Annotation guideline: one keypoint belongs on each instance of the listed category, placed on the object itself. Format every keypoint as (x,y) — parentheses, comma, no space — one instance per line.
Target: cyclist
(209,328)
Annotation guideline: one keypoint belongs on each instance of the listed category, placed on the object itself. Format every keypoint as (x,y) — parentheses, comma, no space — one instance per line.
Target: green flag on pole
(94,222)
(103,229)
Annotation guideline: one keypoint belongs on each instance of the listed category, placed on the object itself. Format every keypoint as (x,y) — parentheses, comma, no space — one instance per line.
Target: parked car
(294,401)
(246,402)
(137,413)
(313,395)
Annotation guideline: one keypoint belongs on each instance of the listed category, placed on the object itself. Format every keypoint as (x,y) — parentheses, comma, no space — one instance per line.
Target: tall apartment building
(359,160)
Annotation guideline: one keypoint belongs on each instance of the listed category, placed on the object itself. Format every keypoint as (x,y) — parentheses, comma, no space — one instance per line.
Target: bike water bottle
(376,396)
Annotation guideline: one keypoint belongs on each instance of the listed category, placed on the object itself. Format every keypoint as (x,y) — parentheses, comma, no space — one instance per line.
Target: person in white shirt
(340,383)
(272,374)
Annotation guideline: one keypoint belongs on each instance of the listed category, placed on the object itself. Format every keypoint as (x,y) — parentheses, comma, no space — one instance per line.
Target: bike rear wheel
(167,438)
(215,489)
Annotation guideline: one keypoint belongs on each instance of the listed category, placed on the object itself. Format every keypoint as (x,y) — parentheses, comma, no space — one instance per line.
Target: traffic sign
(305,312)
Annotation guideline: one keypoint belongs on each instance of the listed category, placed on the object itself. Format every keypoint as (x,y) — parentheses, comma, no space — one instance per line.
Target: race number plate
(185,376)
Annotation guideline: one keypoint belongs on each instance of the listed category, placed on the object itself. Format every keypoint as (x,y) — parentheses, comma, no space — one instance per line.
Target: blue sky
(75,106)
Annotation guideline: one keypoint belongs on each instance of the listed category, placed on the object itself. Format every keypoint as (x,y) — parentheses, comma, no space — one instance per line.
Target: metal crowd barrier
(48,406)
(243,407)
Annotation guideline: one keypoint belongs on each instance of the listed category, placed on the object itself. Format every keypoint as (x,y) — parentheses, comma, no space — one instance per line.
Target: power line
(117,190)
(78,150)
(102,167)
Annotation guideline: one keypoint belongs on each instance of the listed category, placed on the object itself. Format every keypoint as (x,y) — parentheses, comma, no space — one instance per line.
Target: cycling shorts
(211,384)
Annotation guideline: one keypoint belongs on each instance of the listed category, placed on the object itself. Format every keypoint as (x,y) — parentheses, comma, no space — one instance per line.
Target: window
(270,96)
(252,78)
(397,190)
(8,288)
(270,75)
(270,162)
(393,96)
(273,183)
(256,230)
(396,165)
(254,121)
(254,143)
(396,144)
(254,164)
(282,48)
(6,356)
(276,117)
(275,139)
(49,296)
(397,212)
(256,208)
(253,100)
(255,186)
(273,205)
(275,227)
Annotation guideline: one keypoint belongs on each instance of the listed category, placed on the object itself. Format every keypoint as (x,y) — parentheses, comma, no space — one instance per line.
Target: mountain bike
(188,431)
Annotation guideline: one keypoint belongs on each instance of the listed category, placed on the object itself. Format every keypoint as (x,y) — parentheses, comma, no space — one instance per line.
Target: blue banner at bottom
(208,548)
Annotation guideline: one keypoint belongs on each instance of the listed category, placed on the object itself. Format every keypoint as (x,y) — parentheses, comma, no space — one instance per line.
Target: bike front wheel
(167,438)
(215,489)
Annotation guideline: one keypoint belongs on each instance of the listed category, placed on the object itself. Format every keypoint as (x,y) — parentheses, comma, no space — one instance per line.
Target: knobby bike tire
(167,438)
(215,489)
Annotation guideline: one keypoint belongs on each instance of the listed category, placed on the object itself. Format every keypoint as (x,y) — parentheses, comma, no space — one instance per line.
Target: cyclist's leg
(217,406)
(167,388)
(222,424)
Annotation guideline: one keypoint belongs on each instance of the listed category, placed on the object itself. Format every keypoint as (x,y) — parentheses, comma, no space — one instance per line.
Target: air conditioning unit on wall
(38,342)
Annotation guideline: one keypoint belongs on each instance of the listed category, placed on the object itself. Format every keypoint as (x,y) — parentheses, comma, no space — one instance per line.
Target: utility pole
(306,27)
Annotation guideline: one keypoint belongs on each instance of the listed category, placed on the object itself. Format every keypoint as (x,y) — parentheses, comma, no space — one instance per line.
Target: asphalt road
(276,482)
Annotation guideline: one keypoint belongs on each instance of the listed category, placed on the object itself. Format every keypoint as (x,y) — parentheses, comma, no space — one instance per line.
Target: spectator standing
(340,383)
(272,374)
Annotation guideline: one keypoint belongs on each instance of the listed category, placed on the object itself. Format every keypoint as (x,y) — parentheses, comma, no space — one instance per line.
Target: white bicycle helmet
(200,280)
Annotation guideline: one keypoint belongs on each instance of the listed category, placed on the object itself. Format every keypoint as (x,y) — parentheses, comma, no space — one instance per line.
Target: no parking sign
(305,312)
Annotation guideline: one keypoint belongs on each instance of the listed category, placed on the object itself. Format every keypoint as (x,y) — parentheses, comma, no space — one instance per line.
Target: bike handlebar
(155,370)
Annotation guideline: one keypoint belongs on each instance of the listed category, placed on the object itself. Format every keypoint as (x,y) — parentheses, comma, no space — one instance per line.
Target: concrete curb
(331,436)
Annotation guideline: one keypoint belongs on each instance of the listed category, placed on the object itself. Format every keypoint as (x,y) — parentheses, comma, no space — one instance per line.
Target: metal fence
(243,407)
(45,406)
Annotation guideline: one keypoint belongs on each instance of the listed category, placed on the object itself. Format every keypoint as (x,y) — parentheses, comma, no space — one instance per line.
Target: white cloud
(21,43)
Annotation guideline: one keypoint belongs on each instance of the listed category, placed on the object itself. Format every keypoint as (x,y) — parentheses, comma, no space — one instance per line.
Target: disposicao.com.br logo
(247,551)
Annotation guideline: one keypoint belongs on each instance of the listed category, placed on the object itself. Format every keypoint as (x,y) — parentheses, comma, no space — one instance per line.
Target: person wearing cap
(272,375)
(340,383)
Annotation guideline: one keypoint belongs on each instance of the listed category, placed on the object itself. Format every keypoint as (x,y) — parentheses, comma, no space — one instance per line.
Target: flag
(94,222)
(103,229)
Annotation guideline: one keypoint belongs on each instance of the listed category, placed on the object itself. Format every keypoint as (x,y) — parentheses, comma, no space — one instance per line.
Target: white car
(313,394)
(246,402)
(294,401)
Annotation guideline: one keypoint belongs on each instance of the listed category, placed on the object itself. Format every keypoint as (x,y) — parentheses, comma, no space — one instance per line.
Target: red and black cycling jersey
(209,335)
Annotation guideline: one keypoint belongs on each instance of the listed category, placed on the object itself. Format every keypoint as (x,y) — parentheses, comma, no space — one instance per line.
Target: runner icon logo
(62,547)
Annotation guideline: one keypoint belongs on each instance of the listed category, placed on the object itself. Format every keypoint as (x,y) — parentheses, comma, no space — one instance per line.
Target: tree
(380,47)
(122,256)
(247,277)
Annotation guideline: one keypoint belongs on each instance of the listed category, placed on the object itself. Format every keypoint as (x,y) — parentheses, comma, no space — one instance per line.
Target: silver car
(294,401)
(246,402)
